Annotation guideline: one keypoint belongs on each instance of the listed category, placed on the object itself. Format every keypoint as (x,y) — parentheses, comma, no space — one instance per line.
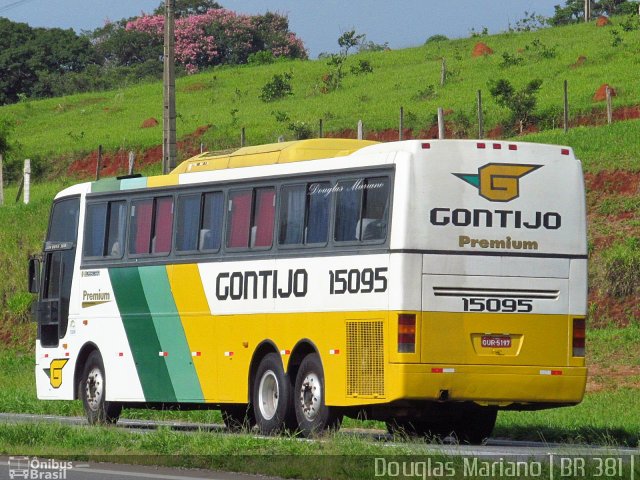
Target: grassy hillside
(227,98)
(57,132)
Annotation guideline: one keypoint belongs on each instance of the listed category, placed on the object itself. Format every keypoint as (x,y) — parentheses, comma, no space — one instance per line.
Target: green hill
(215,105)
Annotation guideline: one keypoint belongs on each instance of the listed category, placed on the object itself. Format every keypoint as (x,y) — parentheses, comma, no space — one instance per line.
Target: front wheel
(93,393)
(271,395)
(312,414)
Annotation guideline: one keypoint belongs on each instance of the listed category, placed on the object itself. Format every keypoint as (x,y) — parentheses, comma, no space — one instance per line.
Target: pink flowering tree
(221,36)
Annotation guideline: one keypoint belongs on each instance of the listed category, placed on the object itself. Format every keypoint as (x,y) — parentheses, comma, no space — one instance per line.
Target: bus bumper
(488,385)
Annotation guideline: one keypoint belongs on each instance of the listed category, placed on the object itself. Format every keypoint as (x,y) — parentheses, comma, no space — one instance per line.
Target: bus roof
(273,153)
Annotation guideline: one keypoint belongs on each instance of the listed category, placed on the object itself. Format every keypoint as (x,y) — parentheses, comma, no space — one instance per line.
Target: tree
(521,102)
(186,8)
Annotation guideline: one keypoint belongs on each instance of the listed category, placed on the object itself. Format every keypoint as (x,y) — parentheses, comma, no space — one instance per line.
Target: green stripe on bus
(133,183)
(170,331)
(141,334)
(106,185)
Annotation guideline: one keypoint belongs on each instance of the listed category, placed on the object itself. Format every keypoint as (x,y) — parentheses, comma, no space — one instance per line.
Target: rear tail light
(578,337)
(406,333)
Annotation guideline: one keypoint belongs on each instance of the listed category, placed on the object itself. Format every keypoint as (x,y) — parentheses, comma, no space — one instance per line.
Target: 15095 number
(358,281)
(505,305)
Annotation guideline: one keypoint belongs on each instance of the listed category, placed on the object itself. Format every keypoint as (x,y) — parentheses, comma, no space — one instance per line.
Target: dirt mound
(481,49)
(601,93)
(617,182)
(149,123)
(581,60)
(602,21)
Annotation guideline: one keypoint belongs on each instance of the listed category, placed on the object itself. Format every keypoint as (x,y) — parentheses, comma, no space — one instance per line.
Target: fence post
(281,139)
(360,130)
(1,183)
(132,159)
(27,181)
(243,138)
(99,162)
(201,148)
(320,132)
(480,116)
(401,127)
(443,72)
(440,123)
(566,106)
(609,109)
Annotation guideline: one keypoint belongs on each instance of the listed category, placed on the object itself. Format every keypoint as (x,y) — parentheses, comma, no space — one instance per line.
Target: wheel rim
(310,396)
(94,389)
(268,393)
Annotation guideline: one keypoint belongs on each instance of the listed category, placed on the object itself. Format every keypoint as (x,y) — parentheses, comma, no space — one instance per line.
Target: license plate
(496,341)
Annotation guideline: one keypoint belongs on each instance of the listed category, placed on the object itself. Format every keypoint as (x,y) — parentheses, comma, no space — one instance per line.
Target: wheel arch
(303,348)
(264,348)
(85,351)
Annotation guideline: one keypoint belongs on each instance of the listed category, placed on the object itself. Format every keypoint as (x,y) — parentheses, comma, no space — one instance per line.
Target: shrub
(363,67)
(621,268)
(263,57)
(521,102)
(279,87)
(436,38)
(509,60)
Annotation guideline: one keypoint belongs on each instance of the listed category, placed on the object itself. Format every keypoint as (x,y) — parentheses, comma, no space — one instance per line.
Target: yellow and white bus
(426,283)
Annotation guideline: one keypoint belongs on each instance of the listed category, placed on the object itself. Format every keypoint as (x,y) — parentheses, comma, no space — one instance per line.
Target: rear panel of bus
(499,231)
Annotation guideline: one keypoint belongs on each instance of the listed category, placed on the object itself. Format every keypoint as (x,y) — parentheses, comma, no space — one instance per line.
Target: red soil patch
(601,93)
(617,376)
(581,60)
(481,49)
(115,163)
(610,309)
(602,21)
(195,87)
(626,113)
(149,123)
(620,182)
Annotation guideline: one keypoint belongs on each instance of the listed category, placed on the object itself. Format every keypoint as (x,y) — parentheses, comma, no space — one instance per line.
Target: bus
(424,283)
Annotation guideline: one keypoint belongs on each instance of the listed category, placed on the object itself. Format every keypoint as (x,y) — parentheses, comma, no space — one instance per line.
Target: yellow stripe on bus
(193,309)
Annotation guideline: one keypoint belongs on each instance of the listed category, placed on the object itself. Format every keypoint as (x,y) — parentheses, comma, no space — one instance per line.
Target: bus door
(52,309)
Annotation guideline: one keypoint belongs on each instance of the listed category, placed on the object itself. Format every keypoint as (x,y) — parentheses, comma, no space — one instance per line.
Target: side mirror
(34,275)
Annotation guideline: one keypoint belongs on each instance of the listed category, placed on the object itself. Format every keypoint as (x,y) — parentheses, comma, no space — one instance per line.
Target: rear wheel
(238,417)
(271,395)
(475,424)
(93,388)
(312,414)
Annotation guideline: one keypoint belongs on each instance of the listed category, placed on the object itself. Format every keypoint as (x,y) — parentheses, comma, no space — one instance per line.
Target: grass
(227,98)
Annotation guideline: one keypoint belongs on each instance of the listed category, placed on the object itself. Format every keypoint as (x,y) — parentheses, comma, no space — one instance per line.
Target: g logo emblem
(498,182)
(55,371)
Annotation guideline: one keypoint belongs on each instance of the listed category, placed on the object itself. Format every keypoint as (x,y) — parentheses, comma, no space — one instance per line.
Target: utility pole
(169,148)
(587,10)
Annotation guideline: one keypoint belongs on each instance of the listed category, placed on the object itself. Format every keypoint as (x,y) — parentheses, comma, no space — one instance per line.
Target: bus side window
(251,218)
(188,222)
(317,224)
(347,211)
(362,209)
(163,225)
(375,209)
(211,229)
(140,226)
(292,206)
(94,231)
(117,226)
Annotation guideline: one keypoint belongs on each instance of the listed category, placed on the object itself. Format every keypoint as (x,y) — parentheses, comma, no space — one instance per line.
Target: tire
(312,413)
(92,391)
(238,417)
(271,395)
